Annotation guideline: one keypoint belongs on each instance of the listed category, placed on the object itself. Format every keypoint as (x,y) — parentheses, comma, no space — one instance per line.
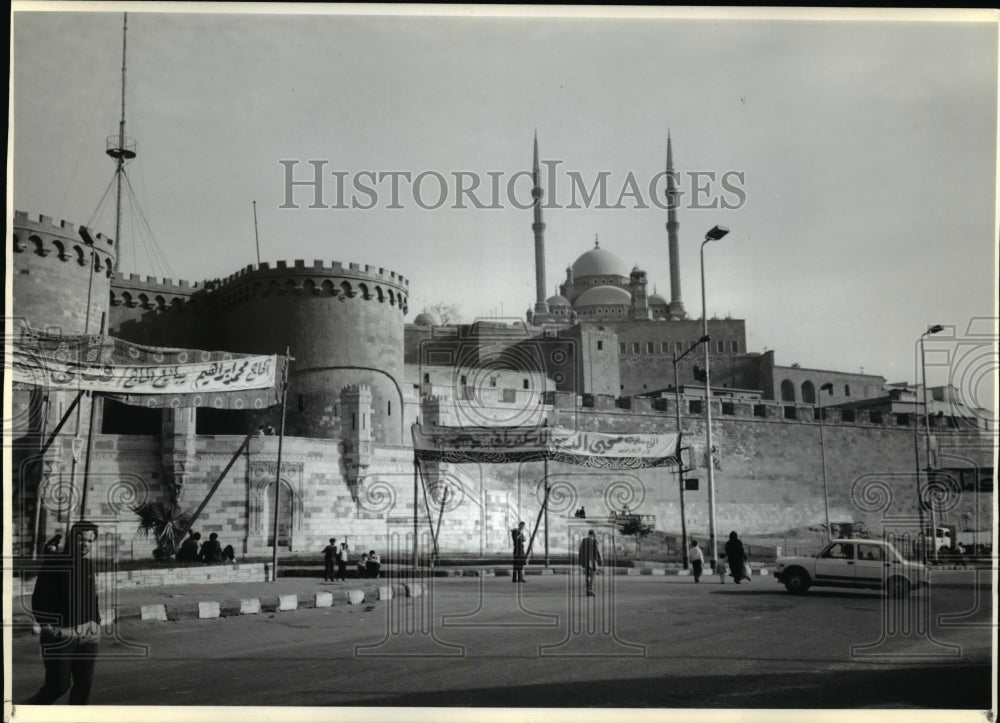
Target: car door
(870,565)
(835,564)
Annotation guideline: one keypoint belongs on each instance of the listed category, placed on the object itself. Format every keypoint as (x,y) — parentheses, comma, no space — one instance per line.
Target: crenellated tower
(344,326)
(62,275)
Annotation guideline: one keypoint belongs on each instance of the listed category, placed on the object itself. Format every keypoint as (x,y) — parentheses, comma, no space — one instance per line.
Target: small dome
(557,300)
(657,300)
(425,319)
(603,296)
(598,262)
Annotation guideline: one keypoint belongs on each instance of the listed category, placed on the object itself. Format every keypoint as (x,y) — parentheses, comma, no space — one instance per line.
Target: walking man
(697,560)
(520,552)
(65,605)
(590,560)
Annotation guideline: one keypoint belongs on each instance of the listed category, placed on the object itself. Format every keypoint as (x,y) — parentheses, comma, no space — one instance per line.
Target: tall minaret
(541,307)
(676,305)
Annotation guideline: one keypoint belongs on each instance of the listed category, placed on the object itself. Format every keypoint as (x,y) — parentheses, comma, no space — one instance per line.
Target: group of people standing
(369,566)
(735,556)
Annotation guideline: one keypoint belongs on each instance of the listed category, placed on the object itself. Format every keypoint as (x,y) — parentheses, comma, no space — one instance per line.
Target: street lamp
(680,466)
(927,437)
(714,234)
(822,455)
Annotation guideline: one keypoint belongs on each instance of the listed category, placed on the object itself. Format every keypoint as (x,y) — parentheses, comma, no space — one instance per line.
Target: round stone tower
(62,275)
(61,285)
(344,327)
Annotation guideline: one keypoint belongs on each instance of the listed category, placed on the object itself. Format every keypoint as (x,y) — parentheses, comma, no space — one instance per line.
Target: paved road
(651,642)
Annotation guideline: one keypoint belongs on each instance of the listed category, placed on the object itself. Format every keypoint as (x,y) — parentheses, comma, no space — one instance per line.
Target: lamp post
(927,436)
(714,234)
(680,466)
(822,456)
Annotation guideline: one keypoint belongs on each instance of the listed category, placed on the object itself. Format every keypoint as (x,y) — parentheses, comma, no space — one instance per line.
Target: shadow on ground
(954,687)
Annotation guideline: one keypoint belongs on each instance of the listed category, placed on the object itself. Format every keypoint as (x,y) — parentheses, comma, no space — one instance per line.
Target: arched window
(787,391)
(808,393)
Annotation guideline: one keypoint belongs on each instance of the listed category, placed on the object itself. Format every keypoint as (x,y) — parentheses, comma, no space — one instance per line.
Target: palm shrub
(165,522)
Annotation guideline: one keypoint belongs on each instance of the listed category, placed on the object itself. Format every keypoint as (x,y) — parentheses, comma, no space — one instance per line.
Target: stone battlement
(354,281)
(64,229)
(757,410)
(335,268)
(152,283)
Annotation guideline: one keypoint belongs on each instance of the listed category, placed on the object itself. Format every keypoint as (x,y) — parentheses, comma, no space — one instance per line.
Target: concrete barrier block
(683,573)
(414,590)
(154,612)
(250,606)
(208,609)
(324,599)
(355,597)
(107,616)
(656,572)
(306,602)
(288,602)
(384,593)
(763,571)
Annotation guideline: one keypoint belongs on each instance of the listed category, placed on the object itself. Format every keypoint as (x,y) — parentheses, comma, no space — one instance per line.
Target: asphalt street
(642,642)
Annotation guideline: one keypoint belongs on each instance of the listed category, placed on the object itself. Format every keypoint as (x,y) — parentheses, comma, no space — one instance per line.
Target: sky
(864,154)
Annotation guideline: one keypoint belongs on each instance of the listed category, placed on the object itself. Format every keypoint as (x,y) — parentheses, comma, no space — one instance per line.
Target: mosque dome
(598,262)
(657,300)
(425,319)
(557,300)
(603,296)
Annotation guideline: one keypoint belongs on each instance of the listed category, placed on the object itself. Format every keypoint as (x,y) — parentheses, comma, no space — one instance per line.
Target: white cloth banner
(231,375)
(513,444)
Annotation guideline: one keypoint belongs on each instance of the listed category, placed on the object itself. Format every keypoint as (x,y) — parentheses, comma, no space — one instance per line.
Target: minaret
(676,305)
(541,307)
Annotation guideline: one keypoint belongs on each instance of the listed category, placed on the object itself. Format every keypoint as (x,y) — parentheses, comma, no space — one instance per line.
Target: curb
(225,608)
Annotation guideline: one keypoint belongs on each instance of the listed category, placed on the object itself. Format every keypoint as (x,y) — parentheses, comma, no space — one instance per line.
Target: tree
(443,313)
(165,523)
(633,526)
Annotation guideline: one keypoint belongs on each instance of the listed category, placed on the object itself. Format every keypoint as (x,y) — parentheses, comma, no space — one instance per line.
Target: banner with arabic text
(144,375)
(497,445)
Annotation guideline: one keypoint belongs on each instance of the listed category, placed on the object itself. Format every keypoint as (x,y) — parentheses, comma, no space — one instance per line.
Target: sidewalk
(208,600)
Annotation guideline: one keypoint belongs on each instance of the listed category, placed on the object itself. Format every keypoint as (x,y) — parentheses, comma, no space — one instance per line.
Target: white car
(852,563)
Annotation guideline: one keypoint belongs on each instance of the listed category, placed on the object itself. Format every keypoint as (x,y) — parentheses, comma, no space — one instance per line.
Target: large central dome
(598,262)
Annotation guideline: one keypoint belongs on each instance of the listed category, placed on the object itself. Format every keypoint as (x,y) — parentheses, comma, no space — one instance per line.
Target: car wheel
(797,582)
(898,587)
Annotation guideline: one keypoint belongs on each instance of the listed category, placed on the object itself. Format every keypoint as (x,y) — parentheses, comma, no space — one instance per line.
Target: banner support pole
(277,474)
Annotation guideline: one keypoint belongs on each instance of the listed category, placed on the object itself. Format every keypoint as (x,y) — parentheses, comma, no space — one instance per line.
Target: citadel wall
(768,479)
(156,312)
